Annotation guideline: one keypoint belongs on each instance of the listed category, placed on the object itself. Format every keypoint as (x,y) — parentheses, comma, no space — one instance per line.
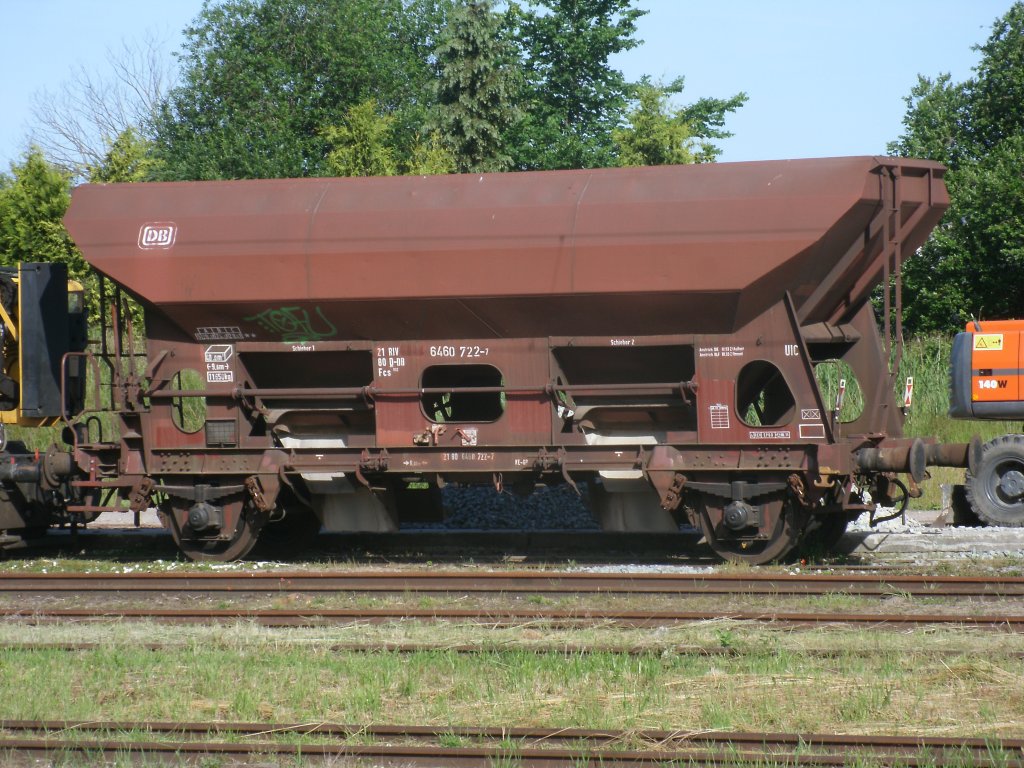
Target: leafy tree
(706,118)
(656,135)
(576,98)
(362,145)
(33,200)
(262,79)
(973,264)
(430,157)
(129,157)
(476,88)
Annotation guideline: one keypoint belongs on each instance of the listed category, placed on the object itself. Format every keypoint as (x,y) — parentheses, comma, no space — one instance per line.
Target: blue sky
(824,77)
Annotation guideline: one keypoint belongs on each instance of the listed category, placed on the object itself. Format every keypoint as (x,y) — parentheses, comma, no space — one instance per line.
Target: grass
(944,682)
(767,687)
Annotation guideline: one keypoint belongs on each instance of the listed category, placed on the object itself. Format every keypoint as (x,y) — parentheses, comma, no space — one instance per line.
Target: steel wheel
(785,532)
(242,540)
(996,491)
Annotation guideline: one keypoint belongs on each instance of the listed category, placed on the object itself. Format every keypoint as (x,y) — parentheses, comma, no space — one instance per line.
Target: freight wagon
(332,352)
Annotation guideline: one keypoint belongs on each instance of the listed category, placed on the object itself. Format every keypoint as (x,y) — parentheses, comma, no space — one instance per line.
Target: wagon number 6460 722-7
(452,350)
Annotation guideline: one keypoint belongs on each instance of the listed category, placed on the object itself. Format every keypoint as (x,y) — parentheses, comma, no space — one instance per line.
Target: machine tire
(996,491)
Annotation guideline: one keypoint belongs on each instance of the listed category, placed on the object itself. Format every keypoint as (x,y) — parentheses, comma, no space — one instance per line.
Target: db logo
(159,234)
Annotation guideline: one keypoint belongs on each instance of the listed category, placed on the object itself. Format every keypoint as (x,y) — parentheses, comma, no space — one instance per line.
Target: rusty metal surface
(531,736)
(642,250)
(470,757)
(639,330)
(519,582)
(500,617)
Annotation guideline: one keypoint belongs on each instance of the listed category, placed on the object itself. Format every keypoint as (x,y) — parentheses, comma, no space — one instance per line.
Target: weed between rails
(766,686)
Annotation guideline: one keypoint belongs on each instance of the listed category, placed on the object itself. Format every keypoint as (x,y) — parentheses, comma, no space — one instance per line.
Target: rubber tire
(987,491)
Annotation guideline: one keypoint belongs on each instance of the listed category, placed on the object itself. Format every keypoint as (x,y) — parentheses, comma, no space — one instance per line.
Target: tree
(362,145)
(77,124)
(476,88)
(658,134)
(576,97)
(706,118)
(430,157)
(262,79)
(973,264)
(129,157)
(33,200)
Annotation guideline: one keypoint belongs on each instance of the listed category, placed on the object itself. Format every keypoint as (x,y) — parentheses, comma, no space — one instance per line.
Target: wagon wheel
(243,538)
(995,490)
(785,534)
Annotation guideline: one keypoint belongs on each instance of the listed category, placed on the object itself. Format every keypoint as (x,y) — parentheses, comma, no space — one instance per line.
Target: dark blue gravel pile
(483,508)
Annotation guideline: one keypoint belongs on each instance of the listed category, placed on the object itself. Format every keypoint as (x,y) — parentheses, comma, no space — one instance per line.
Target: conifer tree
(476,88)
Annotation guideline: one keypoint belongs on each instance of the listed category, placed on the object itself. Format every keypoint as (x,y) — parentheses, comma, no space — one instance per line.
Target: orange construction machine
(986,382)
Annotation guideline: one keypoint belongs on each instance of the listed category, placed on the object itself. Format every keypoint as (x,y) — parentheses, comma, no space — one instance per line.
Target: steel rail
(522,582)
(533,746)
(526,735)
(503,617)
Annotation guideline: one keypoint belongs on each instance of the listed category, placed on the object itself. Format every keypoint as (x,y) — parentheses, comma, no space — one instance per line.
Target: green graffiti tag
(294,324)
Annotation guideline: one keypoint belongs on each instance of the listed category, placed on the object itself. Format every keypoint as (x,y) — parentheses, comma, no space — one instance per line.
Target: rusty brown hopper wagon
(649,335)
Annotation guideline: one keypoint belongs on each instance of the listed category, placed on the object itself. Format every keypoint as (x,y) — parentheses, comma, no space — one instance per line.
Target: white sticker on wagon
(719,416)
(771,434)
(218,353)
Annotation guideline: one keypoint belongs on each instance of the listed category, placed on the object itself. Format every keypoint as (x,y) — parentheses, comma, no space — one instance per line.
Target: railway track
(486,747)
(504,617)
(532,582)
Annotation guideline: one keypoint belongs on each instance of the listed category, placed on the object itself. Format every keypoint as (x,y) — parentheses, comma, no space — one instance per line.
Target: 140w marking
(992,383)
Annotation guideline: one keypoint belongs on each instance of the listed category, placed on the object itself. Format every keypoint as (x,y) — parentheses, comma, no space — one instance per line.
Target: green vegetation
(262,80)
(273,88)
(33,200)
(477,88)
(972,265)
(767,681)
